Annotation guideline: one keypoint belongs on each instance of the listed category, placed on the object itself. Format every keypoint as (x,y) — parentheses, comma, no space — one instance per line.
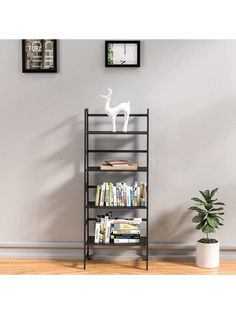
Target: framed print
(120,53)
(39,55)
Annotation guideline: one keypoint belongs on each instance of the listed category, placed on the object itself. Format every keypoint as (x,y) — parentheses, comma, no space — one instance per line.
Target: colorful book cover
(97,195)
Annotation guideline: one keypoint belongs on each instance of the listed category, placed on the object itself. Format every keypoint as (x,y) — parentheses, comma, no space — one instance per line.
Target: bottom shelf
(142,242)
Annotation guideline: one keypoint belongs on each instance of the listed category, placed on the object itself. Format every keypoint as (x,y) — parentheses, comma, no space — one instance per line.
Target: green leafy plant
(209,212)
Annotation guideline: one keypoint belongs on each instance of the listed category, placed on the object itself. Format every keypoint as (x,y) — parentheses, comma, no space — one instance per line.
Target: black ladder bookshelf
(88,204)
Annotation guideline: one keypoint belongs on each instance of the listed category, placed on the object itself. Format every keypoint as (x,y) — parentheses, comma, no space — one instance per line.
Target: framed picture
(120,53)
(39,55)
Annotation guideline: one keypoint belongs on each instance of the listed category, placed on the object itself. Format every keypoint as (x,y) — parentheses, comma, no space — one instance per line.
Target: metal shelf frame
(88,204)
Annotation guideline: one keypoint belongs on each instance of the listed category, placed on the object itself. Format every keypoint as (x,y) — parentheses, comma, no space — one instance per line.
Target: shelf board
(117,151)
(92,205)
(142,242)
(119,115)
(140,169)
(117,133)
(94,219)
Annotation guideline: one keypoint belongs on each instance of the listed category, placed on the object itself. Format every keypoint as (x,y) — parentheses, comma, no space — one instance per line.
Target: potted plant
(208,219)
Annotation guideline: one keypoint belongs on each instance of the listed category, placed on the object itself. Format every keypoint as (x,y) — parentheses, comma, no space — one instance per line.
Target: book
(101,237)
(125,231)
(106,229)
(125,236)
(116,162)
(130,166)
(111,202)
(97,231)
(97,195)
(114,196)
(126,240)
(107,195)
(102,194)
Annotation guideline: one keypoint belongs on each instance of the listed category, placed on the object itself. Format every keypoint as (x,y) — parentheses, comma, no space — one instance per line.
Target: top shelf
(118,132)
(119,115)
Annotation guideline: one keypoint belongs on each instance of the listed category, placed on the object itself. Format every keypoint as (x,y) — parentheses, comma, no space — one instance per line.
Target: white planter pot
(208,255)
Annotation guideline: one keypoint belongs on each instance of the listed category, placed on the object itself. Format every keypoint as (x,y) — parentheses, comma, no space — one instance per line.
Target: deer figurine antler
(113,112)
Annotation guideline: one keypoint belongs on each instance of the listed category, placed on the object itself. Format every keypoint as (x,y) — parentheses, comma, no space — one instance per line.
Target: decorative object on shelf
(122,53)
(39,55)
(119,166)
(113,112)
(208,219)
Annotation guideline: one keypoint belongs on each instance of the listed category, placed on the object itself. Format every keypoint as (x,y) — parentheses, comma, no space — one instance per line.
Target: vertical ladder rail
(147,225)
(87,160)
(85,182)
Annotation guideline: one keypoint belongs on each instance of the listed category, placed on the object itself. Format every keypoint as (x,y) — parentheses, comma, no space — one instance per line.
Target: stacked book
(109,230)
(118,165)
(121,194)
(125,230)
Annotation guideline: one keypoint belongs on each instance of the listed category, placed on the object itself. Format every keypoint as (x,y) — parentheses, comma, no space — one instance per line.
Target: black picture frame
(26,69)
(137,42)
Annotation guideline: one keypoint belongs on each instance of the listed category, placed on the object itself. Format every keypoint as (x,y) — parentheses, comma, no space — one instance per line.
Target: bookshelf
(88,170)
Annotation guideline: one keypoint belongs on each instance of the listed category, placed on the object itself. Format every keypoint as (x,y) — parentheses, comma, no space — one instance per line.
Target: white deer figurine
(124,108)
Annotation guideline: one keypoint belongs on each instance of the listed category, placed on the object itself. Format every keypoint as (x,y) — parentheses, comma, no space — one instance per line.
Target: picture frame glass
(122,54)
(39,55)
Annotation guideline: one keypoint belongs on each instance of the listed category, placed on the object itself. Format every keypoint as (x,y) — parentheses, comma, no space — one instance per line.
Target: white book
(102,195)
(127,196)
(138,192)
(126,240)
(108,231)
(114,196)
(97,231)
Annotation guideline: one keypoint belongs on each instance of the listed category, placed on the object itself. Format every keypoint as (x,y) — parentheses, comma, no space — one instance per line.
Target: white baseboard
(74,250)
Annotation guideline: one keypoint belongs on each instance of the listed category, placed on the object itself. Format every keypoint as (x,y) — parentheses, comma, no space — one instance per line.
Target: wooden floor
(63,267)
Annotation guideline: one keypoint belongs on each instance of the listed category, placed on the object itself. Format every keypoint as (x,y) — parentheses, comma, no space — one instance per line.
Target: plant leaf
(198,218)
(219,203)
(213,192)
(201,225)
(215,209)
(212,221)
(219,217)
(199,210)
(205,196)
(196,199)
(208,229)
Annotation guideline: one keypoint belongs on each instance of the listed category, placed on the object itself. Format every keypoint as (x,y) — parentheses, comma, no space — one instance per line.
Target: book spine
(135,194)
(97,232)
(111,194)
(126,241)
(107,201)
(106,230)
(97,195)
(114,196)
(125,231)
(138,190)
(125,236)
(101,238)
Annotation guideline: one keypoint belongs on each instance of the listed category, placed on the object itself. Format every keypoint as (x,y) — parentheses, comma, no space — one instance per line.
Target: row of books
(121,194)
(117,230)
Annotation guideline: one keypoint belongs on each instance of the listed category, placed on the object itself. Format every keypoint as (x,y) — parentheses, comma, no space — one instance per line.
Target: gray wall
(190,88)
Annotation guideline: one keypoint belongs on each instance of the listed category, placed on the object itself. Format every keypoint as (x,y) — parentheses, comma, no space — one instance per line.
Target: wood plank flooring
(65,267)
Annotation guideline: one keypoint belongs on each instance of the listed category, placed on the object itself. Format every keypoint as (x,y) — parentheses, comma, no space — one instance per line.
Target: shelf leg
(147,258)
(84,256)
